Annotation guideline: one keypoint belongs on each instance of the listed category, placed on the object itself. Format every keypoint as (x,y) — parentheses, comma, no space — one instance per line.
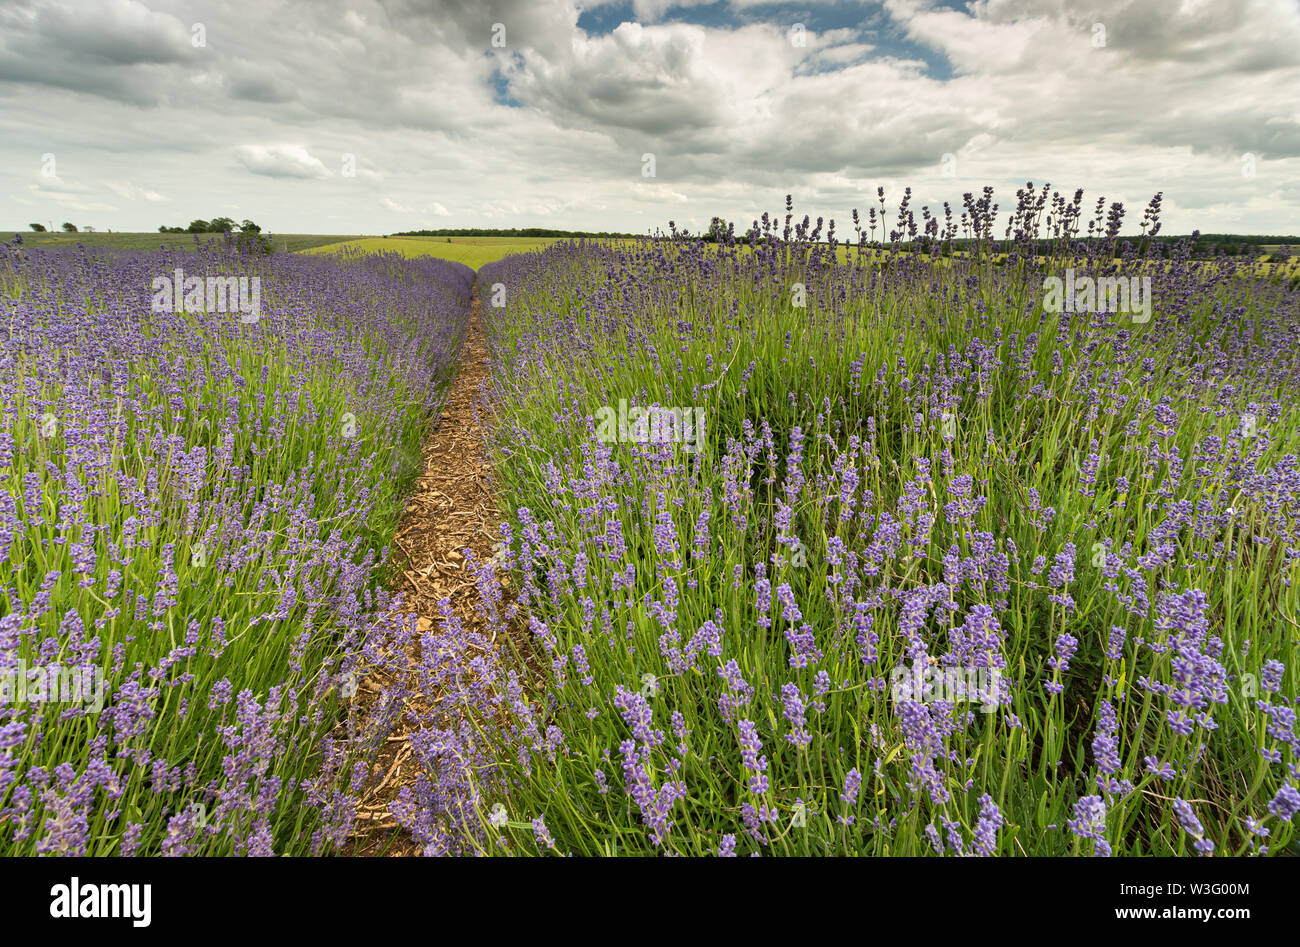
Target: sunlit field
(471,251)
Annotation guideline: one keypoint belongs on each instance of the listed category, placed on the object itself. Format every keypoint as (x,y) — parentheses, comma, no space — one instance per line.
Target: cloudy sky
(371,116)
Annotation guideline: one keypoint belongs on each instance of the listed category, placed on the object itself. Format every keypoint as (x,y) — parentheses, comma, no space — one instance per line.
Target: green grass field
(171,241)
(472,251)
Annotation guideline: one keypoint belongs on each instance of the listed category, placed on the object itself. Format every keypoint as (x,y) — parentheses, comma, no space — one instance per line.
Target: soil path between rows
(450,509)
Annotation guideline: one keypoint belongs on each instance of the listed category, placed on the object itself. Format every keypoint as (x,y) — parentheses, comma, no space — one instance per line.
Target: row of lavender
(817,549)
(195,498)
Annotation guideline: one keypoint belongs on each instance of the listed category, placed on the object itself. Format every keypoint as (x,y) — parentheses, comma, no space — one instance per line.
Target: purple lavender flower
(542,834)
(986,830)
(793,708)
(852,781)
(1270,677)
(1090,822)
(1192,826)
(1286,802)
(750,748)
(1115,643)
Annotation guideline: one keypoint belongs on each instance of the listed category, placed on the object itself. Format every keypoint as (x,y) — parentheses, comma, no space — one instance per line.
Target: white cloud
(66,194)
(281,161)
(70,197)
(133,192)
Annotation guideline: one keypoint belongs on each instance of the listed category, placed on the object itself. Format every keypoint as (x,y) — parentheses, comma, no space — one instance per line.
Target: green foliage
(717,230)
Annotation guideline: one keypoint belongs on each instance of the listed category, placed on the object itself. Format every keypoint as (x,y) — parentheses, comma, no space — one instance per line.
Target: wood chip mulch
(450,509)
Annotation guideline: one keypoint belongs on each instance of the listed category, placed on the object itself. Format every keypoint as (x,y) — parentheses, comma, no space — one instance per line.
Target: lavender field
(193,521)
(941,572)
(811,546)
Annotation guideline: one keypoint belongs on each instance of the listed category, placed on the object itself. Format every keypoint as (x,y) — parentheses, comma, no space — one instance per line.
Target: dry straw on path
(450,509)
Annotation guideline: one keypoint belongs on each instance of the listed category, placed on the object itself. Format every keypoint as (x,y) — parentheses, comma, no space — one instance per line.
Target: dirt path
(450,509)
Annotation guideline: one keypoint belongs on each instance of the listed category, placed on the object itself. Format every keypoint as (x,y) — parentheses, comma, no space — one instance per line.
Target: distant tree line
(215,225)
(1232,244)
(1203,244)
